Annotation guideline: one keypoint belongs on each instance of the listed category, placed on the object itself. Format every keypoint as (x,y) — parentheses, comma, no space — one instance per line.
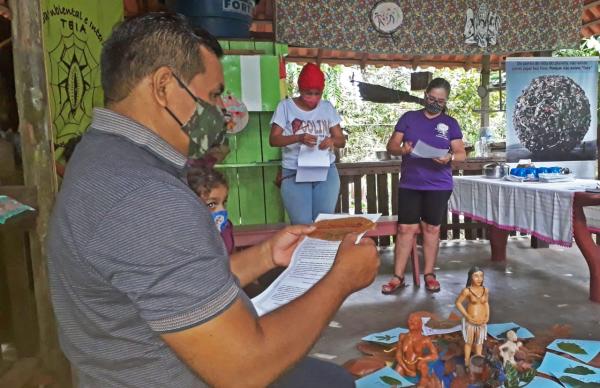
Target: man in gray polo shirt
(143,290)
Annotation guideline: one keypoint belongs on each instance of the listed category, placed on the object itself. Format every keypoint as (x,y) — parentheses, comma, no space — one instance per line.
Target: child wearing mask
(211,186)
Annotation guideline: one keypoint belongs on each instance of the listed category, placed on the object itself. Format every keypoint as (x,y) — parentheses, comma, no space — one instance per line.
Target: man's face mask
(206,127)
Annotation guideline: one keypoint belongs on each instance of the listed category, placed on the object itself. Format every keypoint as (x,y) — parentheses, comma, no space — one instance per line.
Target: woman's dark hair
(438,83)
(140,45)
(471,272)
(203,179)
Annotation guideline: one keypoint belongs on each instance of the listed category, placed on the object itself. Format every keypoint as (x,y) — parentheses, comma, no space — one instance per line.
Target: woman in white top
(303,124)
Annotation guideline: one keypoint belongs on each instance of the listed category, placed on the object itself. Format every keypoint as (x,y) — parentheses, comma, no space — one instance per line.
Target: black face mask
(433,107)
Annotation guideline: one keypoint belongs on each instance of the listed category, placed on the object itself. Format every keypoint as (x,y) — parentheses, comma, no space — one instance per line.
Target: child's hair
(70,147)
(203,179)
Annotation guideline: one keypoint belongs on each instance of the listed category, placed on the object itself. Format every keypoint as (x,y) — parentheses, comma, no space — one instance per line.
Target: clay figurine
(510,348)
(415,351)
(477,313)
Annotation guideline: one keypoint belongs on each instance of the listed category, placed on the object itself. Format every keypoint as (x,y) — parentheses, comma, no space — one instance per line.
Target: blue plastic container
(222,18)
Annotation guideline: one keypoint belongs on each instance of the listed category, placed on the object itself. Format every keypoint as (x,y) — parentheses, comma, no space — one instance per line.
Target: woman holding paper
(428,140)
(308,129)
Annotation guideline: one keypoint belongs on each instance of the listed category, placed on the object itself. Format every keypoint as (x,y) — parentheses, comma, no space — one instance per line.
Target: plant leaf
(527,376)
(390,380)
(570,347)
(579,370)
(573,382)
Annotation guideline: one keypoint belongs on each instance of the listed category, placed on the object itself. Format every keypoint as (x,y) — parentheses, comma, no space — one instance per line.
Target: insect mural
(72,69)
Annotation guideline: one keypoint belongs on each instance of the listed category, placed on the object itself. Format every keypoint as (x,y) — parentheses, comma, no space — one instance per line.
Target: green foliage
(514,378)
(527,376)
(371,124)
(570,347)
(573,382)
(580,370)
(589,47)
(391,381)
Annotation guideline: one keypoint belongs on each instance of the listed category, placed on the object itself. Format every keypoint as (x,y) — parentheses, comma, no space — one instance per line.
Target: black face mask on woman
(433,107)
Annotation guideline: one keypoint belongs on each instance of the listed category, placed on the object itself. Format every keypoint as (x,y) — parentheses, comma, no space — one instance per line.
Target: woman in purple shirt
(425,184)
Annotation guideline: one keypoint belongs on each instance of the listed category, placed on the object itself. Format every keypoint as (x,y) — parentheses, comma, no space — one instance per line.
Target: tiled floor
(536,288)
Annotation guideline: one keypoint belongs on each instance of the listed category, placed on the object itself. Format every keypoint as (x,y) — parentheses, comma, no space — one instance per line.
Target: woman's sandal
(391,286)
(431,283)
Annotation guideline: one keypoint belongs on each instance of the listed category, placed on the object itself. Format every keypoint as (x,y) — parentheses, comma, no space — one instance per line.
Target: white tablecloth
(544,210)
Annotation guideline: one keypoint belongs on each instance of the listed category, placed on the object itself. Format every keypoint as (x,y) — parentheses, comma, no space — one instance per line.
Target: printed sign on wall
(551,110)
(73,33)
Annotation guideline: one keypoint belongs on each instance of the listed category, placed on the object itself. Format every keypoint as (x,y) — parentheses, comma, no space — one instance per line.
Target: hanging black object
(382,94)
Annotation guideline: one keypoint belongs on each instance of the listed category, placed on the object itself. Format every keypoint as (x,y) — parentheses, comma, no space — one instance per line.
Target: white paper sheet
(424,150)
(311,260)
(311,174)
(313,157)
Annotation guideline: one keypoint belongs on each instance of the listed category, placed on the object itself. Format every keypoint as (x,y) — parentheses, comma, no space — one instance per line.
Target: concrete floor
(536,288)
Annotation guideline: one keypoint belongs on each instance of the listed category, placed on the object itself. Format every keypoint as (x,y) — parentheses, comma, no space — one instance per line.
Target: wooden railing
(372,187)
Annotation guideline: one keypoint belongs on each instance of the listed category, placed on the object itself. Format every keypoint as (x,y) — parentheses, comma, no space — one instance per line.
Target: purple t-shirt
(420,173)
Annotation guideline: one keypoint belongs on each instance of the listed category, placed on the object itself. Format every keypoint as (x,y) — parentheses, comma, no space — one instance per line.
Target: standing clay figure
(477,313)
(415,351)
(509,348)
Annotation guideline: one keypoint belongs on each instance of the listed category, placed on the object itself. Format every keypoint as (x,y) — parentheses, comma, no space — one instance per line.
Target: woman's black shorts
(428,206)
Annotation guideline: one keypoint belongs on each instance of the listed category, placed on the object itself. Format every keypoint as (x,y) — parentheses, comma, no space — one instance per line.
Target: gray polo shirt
(132,253)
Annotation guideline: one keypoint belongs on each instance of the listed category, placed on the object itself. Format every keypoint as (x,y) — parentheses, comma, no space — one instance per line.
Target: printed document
(424,150)
(311,260)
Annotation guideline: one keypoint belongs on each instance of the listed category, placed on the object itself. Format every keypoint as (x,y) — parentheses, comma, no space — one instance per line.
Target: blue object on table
(543,170)
(518,171)
(531,172)
(10,207)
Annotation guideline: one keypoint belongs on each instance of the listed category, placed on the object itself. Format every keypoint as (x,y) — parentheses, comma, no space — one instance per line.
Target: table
(552,212)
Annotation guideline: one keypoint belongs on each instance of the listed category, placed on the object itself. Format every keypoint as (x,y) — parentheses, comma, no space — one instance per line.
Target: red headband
(311,77)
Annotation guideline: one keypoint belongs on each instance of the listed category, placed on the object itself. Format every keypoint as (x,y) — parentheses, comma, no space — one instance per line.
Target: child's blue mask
(220,219)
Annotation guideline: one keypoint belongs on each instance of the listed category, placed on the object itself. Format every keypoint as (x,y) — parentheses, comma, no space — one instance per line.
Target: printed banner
(73,33)
(255,80)
(432,27)
(551,111)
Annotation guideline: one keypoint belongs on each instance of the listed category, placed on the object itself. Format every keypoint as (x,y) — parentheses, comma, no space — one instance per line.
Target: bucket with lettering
(223,18)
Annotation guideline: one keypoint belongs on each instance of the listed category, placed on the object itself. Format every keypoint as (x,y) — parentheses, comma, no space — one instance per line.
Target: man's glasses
(431,100)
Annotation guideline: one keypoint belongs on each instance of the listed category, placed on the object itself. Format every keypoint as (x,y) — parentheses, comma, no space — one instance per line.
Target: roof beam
(391,63)
(593,4)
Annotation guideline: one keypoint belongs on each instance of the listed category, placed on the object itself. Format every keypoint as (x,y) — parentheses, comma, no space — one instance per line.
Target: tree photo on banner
(551,108)
(73,34)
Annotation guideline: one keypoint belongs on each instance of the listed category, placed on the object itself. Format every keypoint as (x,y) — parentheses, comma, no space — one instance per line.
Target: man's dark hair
(140,45)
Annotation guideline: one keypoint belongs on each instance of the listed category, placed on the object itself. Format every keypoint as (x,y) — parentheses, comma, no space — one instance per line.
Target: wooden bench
(248,235)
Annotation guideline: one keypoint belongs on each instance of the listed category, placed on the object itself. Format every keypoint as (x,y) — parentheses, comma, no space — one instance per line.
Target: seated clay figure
(414,351)
(509,348)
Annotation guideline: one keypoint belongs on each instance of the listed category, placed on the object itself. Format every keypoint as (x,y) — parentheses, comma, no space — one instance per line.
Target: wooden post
(38,165)
(485,82)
